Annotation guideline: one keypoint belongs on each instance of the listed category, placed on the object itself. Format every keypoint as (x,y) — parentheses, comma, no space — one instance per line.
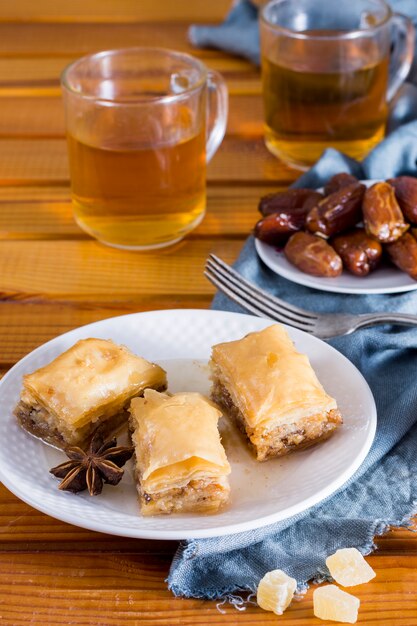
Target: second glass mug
(326,76)
(141,124)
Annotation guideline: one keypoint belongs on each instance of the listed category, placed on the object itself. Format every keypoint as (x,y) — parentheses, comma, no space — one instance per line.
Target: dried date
(359,252)
(338,181)
(406,193)
(403,253)
(382,215)
(312,200)
(276,228)
(285,200)
(337,212)
(313,255)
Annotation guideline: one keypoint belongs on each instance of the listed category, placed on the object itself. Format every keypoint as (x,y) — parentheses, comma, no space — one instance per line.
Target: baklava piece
(271,391)
(181,465)
(86,389)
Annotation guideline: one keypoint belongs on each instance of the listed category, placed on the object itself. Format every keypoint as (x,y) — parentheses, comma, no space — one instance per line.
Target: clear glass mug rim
(351,34)
(139,100)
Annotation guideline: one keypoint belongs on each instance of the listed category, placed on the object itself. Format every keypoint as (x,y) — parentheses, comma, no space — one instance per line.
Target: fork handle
(369,319)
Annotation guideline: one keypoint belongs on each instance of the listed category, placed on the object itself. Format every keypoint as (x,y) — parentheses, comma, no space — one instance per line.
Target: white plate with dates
(385,279)
(261,493)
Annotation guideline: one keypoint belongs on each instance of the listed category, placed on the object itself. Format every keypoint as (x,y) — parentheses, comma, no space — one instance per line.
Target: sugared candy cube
(348,567)
(275,591)
(331,603)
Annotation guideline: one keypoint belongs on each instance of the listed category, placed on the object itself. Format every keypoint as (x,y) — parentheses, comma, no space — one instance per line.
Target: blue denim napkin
(239,33)
(383,491)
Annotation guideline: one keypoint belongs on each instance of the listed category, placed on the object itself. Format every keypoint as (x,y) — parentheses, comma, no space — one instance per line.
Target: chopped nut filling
(284,438)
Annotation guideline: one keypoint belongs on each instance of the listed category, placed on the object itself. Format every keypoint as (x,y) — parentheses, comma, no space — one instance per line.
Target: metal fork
(257,301)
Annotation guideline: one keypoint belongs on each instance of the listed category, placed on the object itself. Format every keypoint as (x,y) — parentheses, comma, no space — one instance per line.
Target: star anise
(88,469)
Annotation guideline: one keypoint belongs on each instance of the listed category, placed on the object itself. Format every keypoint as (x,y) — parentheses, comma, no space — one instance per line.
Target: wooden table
(54,278)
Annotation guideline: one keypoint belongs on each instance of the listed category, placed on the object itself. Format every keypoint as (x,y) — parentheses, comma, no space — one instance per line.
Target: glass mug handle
(217,101)
(403,53)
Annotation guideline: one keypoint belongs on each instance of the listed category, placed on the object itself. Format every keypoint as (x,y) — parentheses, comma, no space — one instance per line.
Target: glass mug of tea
(328,75)
(141,124)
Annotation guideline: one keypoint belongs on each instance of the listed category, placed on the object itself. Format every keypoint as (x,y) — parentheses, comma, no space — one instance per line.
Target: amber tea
(327,75)
(310,109)
(122,195)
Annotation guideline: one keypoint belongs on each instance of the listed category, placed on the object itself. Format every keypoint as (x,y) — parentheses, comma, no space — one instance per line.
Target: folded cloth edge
(188,552)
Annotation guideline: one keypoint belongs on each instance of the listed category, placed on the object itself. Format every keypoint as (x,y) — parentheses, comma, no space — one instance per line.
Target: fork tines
(254,299)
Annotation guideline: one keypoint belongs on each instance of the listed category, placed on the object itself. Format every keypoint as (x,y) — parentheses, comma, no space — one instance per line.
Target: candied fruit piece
(348,567)
(331,603)
(275,591)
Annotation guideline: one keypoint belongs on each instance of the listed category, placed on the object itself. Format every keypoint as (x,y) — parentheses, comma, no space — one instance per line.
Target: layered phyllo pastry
(87,388)
(271,391)
(181,465)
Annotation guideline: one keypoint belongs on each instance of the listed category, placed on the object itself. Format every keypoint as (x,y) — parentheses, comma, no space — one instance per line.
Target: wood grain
(132,591)
(57,40)
(34,71)
(26,324)
(46,212)
(40,116)
(81,271)
(240,160)
(113,11)
(23,528)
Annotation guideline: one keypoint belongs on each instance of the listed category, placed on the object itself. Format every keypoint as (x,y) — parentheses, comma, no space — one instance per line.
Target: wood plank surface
(46,212)
(133,591)
(240,160)
(23,76)
(23,71)
(37,116)
(81,271)
(58,39)
(113,11)
(27,323)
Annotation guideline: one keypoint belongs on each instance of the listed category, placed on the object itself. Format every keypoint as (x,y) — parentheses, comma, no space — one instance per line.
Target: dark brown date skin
(276,228)
(359,252)
(313,199)
(406,193)
(338,181)
(285,200)
(403,253)
(313,255)
(337,212)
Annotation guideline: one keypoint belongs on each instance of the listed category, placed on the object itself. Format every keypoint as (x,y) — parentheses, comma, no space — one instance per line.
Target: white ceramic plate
(180,340)
(385,279)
